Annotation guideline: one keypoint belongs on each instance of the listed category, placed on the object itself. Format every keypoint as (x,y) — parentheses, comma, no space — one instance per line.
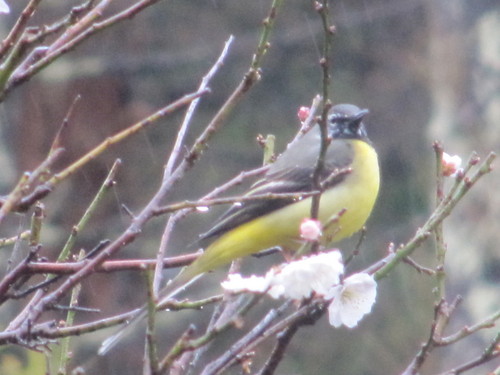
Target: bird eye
(333,117)
(354,127)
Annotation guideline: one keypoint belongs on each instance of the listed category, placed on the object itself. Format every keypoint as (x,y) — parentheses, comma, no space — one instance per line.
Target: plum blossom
(352,300)
(298,279)
(236,283)
(316,273)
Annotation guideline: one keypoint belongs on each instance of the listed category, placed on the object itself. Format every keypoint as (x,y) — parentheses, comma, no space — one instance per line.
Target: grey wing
(296,180)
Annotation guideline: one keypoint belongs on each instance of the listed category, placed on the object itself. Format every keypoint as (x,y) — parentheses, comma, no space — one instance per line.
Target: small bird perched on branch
(346,201)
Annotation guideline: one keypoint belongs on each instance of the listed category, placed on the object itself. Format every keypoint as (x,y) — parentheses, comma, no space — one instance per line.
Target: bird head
(345,121)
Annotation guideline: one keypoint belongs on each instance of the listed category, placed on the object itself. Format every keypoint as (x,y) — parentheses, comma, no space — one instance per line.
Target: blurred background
(426,70)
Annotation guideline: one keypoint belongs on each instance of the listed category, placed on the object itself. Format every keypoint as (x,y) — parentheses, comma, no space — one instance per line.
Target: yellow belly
(356,194)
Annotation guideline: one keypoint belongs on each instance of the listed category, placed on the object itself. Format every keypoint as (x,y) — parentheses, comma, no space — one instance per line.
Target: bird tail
(185,278)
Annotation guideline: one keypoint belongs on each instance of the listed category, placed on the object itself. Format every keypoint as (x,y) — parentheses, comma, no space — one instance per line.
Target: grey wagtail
(252,226)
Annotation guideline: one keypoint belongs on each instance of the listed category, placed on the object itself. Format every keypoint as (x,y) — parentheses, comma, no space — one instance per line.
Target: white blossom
(236,283)
(352,300)
(298,279)
(316,273)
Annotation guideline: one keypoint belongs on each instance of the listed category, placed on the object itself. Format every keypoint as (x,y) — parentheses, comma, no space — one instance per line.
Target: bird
(251,226)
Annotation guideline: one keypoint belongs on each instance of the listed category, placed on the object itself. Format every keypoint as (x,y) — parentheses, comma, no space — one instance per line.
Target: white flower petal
(352,300)
(276,291)
(335,307)
(236,283)
(298,279)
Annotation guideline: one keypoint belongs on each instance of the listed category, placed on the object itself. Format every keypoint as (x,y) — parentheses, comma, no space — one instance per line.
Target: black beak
(361,114)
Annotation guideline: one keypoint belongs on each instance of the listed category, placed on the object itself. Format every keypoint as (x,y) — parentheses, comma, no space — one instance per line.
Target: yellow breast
(356,194)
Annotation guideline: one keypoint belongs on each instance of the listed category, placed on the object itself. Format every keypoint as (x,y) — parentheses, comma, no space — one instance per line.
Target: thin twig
(67,268)
(323,11)
(241,345)
(26,183)
(122,135)
(417,362)
(193,344)
(57,142)
(54,332)
(490,353)
(418,267)
(87,21)
(310,121)
(13,275)
(305,315)
(230,200)
(440,290)
(105,186)
(17,30)
(488,322)
(283,340)
(41,34)
(174,155)
(10,241)
(65,354)
(151,349)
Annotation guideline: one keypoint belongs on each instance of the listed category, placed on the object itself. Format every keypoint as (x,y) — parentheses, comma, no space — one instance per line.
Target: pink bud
(303,113)
(450,164)
(310,230)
